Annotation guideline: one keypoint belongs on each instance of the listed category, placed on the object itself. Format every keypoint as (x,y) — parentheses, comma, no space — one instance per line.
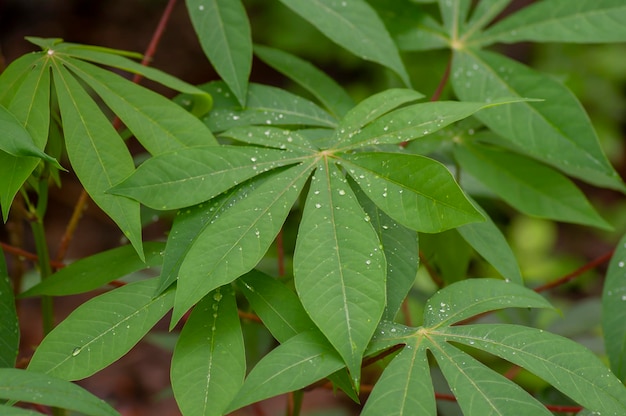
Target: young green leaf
(567,365)
(531,187)
(324,88)
(401,249)
(405,387)
(557,130)
(97,153)
(487,239)
(480,390)
(408,123)
(272,137)
(9,325)
(235,242)
(30,386)
(101,330)
(614,311)
(454,13)
(159,124)
(97,270)
(192,175)
(202,101)
(483,13)
(265,105)
(209,362)
(582,21)
(355,26)
(31,106)
(395,182)
(296,363)
(224,33)
(278,307)
(467,298)
(370,109)
(345,293)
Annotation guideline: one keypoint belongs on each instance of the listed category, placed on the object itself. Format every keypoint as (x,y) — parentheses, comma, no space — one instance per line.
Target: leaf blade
(613,311)
(9,325)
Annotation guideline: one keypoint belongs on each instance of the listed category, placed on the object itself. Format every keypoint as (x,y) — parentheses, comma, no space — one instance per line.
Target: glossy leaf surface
(614,311)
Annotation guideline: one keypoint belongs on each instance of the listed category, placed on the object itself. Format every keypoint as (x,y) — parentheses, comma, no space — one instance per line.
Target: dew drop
(217,296)
(76,351)
(342,192)
(318,205)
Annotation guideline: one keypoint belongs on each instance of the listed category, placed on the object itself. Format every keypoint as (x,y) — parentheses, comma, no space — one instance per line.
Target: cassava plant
(351,201)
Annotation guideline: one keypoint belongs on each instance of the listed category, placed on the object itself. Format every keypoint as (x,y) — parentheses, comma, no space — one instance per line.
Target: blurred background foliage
(545,250)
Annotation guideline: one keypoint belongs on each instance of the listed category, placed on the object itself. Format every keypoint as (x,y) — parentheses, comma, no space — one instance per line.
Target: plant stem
(43,256)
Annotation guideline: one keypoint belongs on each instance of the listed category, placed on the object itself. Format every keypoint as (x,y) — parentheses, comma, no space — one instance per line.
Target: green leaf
(484,12)
(31,106)
(278,307)
(395,182)
(345,293)
(320,85)
(556,131)
(30,386)
(531,187)
(202,101)
(9,325)
(265,105)
(582,21)
(614,311)
(272,137)
(467,298)
(454,13)
(101,330)
(370,109)
(17,411)
(405,387)
(487,239)
(192,175)
(411,26)
(98,154)
(16,140)
(354,25)
(191,222)
(480,390)
(567,365)
(236,241)
(12,77)
(224,33)
(448,254)
(411,122)
(209,362)
(97,270)
(296,363)
(401,249)
(158,124)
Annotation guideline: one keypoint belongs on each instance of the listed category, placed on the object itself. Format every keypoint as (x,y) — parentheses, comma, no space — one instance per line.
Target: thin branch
(576,273)
(443,82)
(27,255)
(70,230)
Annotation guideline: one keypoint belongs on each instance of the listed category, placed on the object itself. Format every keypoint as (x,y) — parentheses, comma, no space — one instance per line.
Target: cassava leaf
(30,386)
(401,249)
(17,411)
(192,175)
(531,187)
(235,242)
(31,106)
(101,330)
(582,21)
(158,124)
(209,362)
(265,105)
(272,137)
(9,325)
(224,33)
(278,307)
(567,365)
(614,311)
(556,131)
(467,298)
(405,387)
(395,182)
(345,293)
(324,88)
(296,363)
(487,239)
(97,270)
(454,13)
(355,26)
(480,390)
(97,153)
(482,14)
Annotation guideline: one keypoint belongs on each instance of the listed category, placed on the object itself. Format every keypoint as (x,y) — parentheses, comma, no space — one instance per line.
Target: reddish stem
(70,230)
(443,82)
(571,276)
(30,256)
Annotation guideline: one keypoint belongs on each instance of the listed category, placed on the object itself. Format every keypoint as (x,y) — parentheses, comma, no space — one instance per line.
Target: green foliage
(361,189)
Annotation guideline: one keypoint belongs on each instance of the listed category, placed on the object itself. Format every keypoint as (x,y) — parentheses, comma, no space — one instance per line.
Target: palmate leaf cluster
(372,183)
